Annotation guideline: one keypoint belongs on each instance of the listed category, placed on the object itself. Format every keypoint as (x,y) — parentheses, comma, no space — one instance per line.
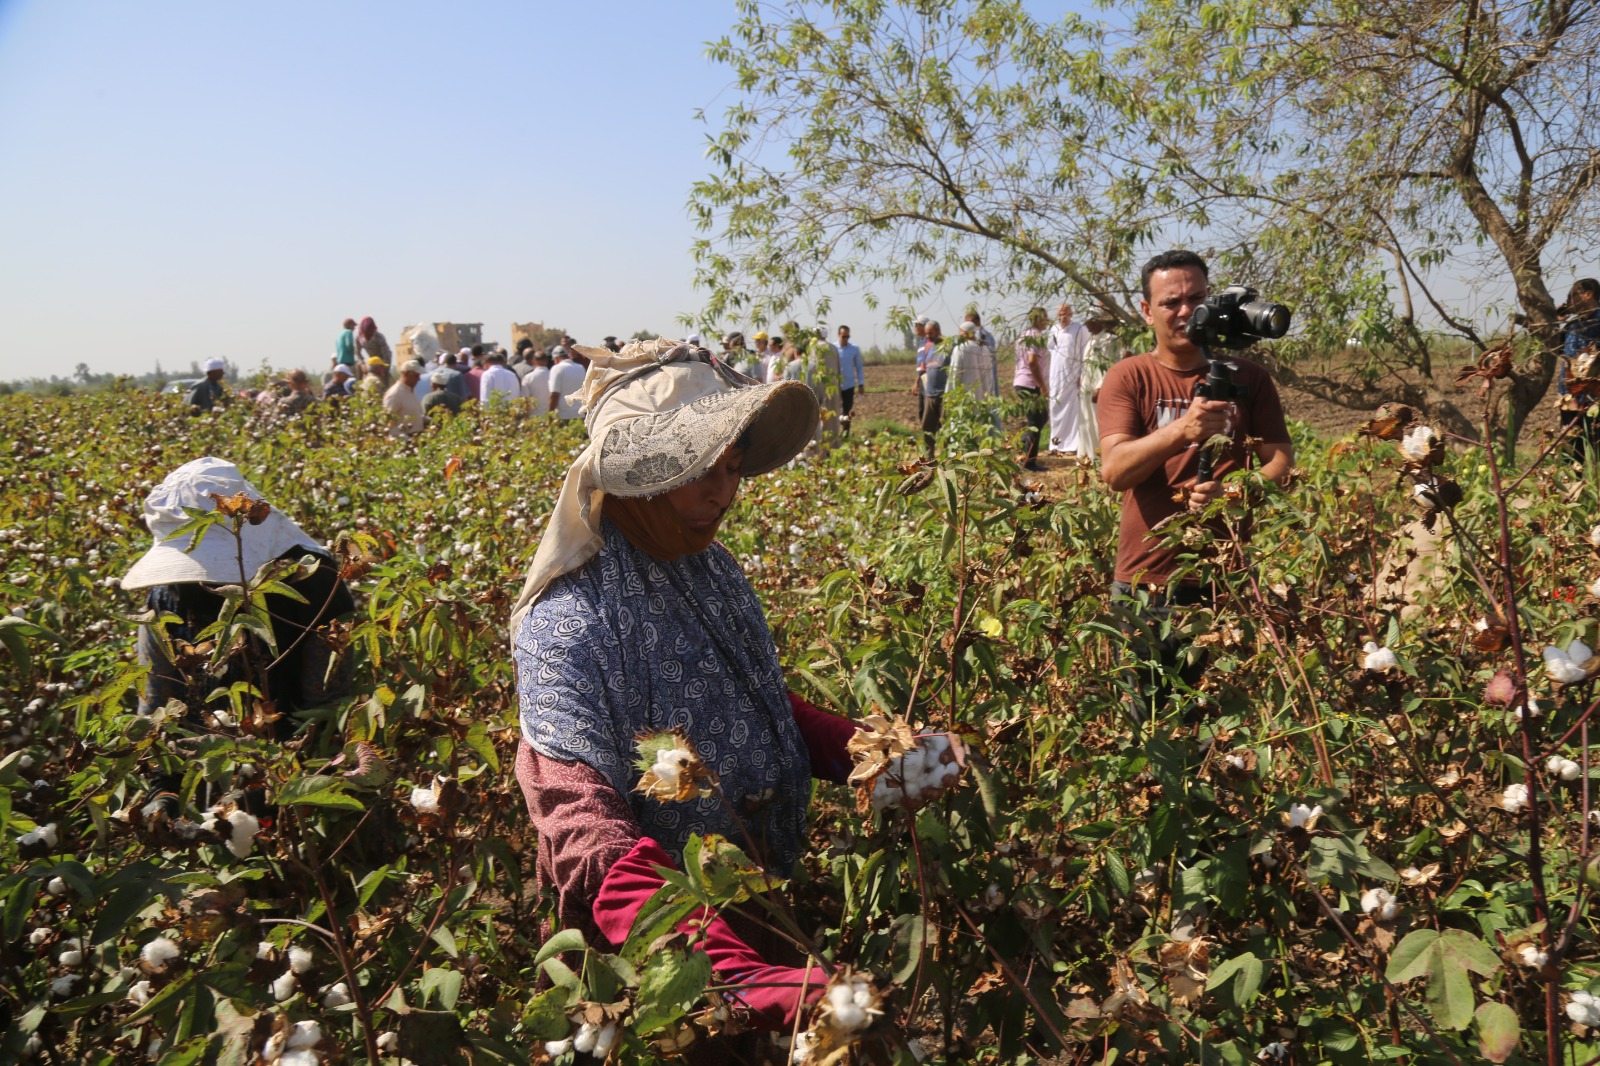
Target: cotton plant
(1380,904)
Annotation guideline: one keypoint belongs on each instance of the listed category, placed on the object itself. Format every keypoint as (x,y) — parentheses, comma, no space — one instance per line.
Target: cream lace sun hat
(660,414)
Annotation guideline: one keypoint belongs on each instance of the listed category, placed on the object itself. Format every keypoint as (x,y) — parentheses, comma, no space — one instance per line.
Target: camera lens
(1267,320)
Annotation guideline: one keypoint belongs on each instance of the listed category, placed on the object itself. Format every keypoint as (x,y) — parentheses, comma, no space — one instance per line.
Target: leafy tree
(1353,155)
(896,148)
(1347,158)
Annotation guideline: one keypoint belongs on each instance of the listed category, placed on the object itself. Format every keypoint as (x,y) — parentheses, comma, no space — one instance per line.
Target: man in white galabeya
(1068,341)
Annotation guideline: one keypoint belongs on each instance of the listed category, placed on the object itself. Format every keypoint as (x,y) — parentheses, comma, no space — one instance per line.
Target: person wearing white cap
(633,619)
(919,344)
(208,392)
(301,668)
(338,384)
(439,394)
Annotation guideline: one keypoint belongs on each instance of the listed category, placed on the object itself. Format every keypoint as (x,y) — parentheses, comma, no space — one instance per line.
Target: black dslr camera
(1234,318)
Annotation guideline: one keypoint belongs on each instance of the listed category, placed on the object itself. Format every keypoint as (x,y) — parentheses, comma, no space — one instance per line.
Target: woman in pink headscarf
(372,343)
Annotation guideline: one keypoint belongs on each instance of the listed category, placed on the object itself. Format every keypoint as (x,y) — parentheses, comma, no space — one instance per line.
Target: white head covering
(659,415)
(215,363)
(216,557)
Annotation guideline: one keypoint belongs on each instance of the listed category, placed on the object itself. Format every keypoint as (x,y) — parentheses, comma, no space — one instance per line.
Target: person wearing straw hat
(293,671)
(633,620)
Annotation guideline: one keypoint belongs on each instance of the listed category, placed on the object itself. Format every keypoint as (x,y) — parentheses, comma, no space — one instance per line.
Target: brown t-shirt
(1138,397)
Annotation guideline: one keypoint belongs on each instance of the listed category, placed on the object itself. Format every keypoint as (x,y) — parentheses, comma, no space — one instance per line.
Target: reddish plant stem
(1541,906)
(1011,975)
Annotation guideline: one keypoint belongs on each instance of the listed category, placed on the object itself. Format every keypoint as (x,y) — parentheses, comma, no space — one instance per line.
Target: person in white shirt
(498,380)
(536,383)
(1067,344)
(566,381)
(402,404)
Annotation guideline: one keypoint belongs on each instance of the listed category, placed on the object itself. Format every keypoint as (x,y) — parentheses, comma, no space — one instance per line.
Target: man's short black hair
(477,351)
(1172,260)
(523,344)
(847,327)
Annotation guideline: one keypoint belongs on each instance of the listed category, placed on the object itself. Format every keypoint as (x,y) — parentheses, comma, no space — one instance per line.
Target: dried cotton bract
(671,768)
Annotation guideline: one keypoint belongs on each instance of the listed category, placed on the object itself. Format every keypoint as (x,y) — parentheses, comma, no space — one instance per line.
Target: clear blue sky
(187,179)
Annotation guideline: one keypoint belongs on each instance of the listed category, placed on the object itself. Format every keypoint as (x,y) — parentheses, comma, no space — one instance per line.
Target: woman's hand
(921,775)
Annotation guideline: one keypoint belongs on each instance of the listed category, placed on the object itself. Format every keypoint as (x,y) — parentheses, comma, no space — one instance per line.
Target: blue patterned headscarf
(629,644)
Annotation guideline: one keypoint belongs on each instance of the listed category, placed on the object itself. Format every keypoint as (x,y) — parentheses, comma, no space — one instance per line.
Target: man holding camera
(1153,424)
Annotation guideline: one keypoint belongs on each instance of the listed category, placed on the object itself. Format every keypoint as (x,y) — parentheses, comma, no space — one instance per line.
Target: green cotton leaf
(560,975)
(565,940)
(672,983)
(1445,959)
(478,740)
(726,873)
(1498,1031)
(910,938)
(1117,876)
(1241,975)
(546,1016)
(318,791)
(447,985)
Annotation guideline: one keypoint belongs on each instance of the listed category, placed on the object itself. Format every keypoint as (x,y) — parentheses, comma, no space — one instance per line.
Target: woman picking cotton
(634,621)
(299,668)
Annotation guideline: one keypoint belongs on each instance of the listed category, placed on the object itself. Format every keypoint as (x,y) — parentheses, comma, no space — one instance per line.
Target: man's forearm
(1276,462)
(1129,462)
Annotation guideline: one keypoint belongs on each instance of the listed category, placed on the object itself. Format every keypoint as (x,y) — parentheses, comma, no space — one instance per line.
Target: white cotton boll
(862,996)
(992,896)
(336,996)
(284,986)
(804,1044)
(389,1042)
(1417,443)
(1594,536)
(71,958)
(605,1041)
(1594,589)
(841,996)
(1533,709)
(44,834)
(56,887)
(586,1037)
(1273,1052)
(1584,1009)
(299,959)
(38,936)
(1378,658)
(425,800)
(1380,903)
(301,1057)
(158,954)
(139,994)
(883,795)
(1514,798)
(849,1017)
(1565,769)
(556,1048)
(242,838)
(264,950)
(62,987)
(1532,957)
(305,1034)
(1561,666)
(1300,815)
